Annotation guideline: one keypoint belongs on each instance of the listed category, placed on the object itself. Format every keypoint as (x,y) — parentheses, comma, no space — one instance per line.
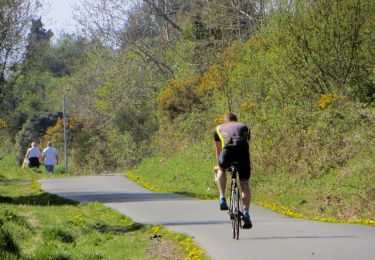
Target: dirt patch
(162,249)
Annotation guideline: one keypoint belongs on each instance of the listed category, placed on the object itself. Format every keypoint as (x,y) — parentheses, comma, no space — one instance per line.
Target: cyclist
(232,144)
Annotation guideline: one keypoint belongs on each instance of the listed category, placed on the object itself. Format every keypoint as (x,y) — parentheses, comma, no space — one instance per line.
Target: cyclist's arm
(218,148)
(218,143)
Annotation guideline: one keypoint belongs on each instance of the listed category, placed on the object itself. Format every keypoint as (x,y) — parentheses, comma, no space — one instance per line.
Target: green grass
(38,225)
(343,194)
(189,172)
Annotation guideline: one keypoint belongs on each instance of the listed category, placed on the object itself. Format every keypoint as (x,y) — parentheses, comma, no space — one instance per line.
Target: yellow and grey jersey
(232,134)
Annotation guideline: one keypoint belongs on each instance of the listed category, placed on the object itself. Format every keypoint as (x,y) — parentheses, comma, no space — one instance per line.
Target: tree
(140,26)
(67,55)
(233,20)
(15,18)
(38,46)
(329,44)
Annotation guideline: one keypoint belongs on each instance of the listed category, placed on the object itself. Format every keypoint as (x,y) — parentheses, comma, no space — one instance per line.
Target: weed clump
(9,216)
(59,233)
(52,251)
(8,243)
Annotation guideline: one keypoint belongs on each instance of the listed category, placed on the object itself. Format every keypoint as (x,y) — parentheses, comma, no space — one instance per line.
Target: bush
(180,98)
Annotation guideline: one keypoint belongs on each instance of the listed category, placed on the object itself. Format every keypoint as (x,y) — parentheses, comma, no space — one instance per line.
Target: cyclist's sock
(222,196)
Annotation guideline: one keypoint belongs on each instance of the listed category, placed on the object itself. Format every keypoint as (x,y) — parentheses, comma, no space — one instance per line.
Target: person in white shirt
(32,156)
(50,158)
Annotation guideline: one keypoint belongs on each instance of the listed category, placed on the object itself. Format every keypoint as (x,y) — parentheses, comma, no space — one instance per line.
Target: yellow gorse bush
(219,120)
(327,100)
(209,81)
(174,87)
(248,106)
(4,123)
(55,133)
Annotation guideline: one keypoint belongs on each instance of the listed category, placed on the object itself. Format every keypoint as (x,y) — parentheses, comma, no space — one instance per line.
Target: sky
(57,15)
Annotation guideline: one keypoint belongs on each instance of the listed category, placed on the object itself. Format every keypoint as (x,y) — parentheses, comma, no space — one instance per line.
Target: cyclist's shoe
(223,204)
(246,221)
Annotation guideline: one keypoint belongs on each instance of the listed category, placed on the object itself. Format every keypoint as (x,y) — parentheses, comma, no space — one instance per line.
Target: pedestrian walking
(50,157)
(32,156)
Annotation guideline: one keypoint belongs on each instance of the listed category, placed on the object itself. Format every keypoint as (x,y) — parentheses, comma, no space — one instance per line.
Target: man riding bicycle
(232,145)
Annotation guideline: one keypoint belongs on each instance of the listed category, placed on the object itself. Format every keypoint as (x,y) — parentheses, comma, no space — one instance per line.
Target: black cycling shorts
(236,154)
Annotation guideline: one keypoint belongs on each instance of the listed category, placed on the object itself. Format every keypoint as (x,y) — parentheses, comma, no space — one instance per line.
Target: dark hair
(231,117)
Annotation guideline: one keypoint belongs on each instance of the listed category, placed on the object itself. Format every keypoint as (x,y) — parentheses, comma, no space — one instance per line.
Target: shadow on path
(108,197)
(206,222)
(42,199)
(299,237)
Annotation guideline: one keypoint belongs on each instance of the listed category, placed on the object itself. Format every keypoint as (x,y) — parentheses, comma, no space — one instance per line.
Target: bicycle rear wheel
(234,211)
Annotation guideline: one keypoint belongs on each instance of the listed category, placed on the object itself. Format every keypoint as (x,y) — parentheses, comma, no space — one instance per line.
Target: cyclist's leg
(244,176)
(246,194)
(244,172)
(222,181)
(224,162)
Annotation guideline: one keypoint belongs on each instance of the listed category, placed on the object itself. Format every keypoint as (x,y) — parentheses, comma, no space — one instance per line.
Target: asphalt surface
(273,236)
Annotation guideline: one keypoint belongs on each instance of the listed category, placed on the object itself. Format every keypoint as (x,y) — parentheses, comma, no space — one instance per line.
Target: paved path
(273,236)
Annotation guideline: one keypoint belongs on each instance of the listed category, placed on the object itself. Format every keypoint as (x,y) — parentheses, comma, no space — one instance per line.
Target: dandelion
(196,253)
(288,212)
(156,229)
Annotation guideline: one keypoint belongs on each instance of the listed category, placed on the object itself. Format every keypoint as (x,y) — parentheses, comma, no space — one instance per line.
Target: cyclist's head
(230,117)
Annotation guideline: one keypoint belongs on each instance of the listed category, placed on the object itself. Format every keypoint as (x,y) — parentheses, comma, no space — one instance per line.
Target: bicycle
(235,205)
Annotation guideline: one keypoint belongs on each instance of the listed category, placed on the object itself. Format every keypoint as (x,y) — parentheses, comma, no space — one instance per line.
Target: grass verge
(38,225)
(336,197)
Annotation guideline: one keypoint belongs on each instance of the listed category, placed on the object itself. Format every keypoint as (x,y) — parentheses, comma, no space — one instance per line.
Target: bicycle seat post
(234,170)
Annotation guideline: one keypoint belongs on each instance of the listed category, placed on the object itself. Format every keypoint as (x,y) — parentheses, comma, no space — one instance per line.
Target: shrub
(180,98)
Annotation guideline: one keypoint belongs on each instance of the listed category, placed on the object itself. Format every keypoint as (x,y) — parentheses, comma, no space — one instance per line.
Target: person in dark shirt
(232,145)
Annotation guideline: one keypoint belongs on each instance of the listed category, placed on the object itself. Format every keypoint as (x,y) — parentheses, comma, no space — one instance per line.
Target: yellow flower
(156,229)
(328,99)
(287,110)
(248,106)
(219,120)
